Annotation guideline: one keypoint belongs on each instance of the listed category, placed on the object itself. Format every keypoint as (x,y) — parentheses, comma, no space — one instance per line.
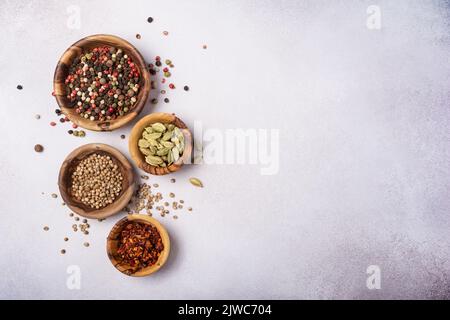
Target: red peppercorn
(166,69)
(53,123)
(163,80)
(171,86)
(74,126)
(157,58)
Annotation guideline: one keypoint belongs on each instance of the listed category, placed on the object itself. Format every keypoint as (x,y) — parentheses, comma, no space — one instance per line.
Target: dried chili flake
(140,245)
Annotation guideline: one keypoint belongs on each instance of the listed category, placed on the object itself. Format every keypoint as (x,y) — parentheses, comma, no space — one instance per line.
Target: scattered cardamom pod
(196,182)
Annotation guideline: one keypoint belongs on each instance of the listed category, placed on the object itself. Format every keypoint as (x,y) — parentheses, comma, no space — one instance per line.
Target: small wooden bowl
(65,180)
(136,134)
(112,244)
(62,70)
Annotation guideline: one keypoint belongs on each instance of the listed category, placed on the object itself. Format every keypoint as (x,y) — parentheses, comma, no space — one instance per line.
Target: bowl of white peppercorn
(96,181)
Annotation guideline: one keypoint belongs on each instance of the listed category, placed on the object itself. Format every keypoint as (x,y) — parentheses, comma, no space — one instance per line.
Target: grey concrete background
(364,139)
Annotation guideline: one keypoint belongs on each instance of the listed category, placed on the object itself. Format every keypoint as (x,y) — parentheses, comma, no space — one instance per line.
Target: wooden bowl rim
(164,237)
(112,208)
(139,159)
(122,120)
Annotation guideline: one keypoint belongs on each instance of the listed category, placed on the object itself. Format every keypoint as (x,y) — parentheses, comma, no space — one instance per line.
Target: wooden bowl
(112,244)
(65,180)
(62,70)
(136,134)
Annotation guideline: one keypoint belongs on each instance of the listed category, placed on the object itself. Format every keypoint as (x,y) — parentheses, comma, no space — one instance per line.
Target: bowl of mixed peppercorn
(101,82)
(138,245)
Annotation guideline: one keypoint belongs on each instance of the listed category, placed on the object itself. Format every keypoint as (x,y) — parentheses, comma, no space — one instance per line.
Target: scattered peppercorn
(149,19)
(205,46)
(46,228)
(53,123)
(38,148)
(171,86)
(54,195)
(166,33)
(186,88)
(37,117)
(86,244)
(122,136)
(154,101)
(19,87)
(138,36)
(63,251)
(66,239)
(70,132)
(166,100)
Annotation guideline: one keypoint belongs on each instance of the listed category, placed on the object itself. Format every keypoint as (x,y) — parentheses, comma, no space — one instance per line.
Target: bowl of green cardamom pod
(160,143)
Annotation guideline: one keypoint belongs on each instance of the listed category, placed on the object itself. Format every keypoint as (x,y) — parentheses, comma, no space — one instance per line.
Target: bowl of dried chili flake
(101,82)
(138,245)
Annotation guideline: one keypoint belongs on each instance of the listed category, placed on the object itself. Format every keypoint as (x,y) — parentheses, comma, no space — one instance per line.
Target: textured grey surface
(364,138)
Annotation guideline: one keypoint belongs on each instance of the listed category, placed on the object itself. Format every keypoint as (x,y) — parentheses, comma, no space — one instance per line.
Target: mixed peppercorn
(140,245)
(103,84)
